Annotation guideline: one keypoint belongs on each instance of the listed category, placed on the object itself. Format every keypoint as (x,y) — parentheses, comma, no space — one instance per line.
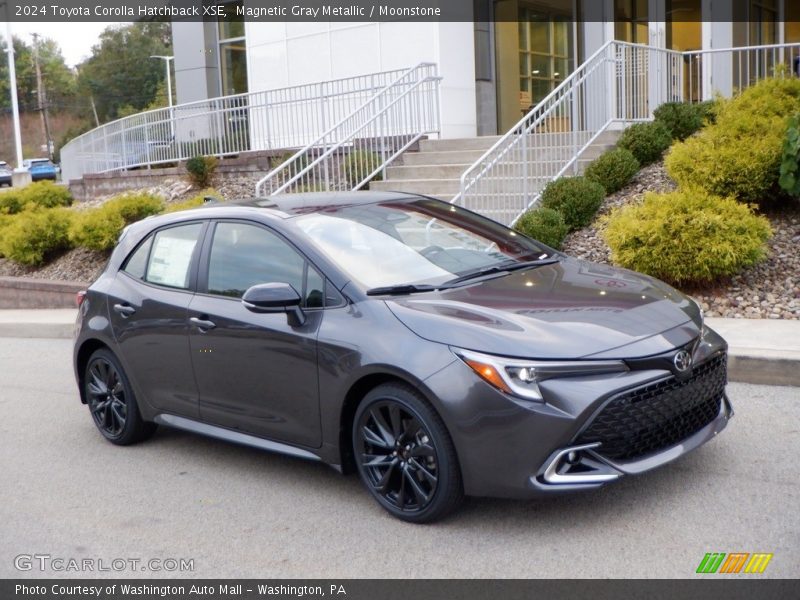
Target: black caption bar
(394,589)
(335,10)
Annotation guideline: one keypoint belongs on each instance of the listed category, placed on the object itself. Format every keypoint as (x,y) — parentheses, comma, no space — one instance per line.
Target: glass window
(233,66)
(136,264)
(244,255)
(171,256)
(426,240)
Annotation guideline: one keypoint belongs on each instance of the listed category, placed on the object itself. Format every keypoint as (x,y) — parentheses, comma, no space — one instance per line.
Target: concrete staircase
(436,169)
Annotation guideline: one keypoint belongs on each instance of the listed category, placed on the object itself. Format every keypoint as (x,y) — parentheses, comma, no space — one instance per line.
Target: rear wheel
(112,402)
(405,456)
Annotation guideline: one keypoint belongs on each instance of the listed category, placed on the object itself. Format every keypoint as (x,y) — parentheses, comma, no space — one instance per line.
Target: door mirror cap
(273,298)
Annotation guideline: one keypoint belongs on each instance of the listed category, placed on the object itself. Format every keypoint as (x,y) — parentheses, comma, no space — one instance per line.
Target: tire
(111,401)
(405,456)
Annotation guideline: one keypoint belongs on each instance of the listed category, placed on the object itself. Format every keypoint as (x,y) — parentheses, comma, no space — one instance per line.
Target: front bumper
(507,447)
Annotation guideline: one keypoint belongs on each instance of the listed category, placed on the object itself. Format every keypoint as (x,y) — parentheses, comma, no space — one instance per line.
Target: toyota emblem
(682,361)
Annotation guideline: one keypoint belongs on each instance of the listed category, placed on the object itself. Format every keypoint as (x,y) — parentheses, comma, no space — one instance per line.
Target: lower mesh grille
(653,417)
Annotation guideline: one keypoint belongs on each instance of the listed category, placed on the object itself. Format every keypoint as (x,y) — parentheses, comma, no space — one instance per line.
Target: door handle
(126,310)
(202,324)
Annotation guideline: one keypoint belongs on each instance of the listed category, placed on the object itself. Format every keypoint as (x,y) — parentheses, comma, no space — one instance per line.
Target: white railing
(620,84)
(361,145)
(276,119)
(614,84)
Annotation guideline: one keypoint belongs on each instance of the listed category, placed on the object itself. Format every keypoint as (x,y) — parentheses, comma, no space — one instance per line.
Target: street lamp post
(12,76)
(167,60)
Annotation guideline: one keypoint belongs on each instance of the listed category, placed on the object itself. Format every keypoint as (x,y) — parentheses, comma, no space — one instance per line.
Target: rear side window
(245,255)
(136,264)
(171,256)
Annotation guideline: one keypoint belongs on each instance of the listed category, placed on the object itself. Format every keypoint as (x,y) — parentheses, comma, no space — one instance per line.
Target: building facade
(494,69)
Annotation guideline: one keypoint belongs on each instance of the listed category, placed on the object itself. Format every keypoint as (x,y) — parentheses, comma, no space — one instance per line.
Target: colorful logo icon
(735,562)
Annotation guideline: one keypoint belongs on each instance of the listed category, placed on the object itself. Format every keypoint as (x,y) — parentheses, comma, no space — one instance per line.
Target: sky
(76,39)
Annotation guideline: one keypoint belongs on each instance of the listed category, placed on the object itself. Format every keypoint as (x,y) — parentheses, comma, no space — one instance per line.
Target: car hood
(568,309)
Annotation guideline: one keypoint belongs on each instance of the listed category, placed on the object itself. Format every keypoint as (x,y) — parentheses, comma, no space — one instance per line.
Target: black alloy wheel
(405,456)
(111,401)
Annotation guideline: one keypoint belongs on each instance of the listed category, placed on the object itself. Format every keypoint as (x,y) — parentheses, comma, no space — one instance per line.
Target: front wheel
(112,402)
(405,456)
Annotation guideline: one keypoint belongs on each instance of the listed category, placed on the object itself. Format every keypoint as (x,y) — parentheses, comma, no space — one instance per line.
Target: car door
(256,372)
(148,303)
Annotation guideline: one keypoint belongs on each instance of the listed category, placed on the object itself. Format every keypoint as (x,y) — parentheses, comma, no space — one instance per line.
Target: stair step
(406,172)
(535,139)
(430,187)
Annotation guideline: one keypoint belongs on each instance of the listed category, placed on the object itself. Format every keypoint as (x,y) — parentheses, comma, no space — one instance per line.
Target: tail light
(80,297)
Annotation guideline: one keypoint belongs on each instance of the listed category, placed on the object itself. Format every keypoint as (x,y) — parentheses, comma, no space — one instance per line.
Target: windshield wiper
(402,289)
(504,267)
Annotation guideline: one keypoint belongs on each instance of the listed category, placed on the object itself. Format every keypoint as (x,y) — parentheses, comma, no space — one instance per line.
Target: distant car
(5,174)
(40,168)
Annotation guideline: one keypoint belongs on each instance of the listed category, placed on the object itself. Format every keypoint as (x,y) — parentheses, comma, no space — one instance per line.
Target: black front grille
(655,416)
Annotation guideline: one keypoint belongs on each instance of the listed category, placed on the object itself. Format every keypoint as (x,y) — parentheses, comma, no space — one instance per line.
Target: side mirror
(274,298)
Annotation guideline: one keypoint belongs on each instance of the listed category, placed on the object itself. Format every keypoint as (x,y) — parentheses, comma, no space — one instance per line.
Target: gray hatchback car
(435,352)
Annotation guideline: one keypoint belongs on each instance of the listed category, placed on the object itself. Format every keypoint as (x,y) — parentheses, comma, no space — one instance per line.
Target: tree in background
(120,75)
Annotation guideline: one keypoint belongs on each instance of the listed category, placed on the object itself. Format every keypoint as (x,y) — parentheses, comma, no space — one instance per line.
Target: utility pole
(41,94)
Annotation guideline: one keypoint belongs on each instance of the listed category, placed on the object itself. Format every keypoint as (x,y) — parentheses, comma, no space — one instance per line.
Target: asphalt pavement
(68,494)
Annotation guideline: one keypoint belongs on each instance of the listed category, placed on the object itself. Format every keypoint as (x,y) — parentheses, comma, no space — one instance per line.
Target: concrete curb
(761,352)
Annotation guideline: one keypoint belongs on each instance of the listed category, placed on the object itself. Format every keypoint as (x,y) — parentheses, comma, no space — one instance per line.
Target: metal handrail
(620,83)
(362,144)
(275,119)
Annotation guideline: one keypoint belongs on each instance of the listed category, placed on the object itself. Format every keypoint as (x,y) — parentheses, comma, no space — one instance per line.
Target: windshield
(424,241)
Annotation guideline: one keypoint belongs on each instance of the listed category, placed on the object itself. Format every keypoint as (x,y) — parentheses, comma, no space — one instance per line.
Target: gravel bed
(770,290)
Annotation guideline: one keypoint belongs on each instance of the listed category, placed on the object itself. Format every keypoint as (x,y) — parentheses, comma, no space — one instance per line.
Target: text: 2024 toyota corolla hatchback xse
(434,351)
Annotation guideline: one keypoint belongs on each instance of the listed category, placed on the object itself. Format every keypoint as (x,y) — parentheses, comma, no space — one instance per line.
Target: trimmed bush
(100,228)
(576,198)
(545,225)
(740,155)
(5,221)
(359,164)
(201,169)
(34,235)
(646,141)
(681,119)
(193,202)
(44,194)
(613,169)
(686,236)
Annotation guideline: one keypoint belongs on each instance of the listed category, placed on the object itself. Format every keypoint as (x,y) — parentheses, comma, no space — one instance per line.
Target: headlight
(521,377)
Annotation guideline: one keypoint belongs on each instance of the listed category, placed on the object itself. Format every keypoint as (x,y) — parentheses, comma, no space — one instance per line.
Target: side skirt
(233,436)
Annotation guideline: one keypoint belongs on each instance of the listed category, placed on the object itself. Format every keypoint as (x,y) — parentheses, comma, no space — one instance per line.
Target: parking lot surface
(238,512)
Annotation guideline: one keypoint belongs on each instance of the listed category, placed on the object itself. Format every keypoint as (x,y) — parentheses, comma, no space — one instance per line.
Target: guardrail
(620,83)
(360,146)
(289,117)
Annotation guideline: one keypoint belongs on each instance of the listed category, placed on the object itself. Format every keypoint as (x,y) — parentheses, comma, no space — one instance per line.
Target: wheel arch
(356,393)
(87,348)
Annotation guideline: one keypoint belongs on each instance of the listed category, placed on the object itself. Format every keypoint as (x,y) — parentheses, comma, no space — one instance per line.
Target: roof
(307,202)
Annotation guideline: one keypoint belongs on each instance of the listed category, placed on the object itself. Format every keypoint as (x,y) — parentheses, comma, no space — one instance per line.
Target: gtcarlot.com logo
(735,562)
(47,562)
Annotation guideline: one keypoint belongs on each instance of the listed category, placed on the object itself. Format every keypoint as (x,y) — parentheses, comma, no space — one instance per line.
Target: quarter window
(171,256)
(137,262)
(245,255)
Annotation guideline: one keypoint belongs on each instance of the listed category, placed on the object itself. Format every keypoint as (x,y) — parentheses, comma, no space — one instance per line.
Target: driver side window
(243,255)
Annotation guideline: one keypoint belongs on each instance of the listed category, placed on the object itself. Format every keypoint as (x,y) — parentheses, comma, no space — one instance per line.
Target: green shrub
(646,141)
(576,198)
(193,202)
(790,159)
(681,119)
(543,224)
(44,194)
(34,235)
(100,228)
(686,236)
(11,202)
(613,169)
(359,164)
(5,221)
(708,110)
(201,169)
(740,155)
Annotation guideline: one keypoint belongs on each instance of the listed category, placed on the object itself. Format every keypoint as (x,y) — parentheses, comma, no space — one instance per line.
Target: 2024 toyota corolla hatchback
(433,350)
